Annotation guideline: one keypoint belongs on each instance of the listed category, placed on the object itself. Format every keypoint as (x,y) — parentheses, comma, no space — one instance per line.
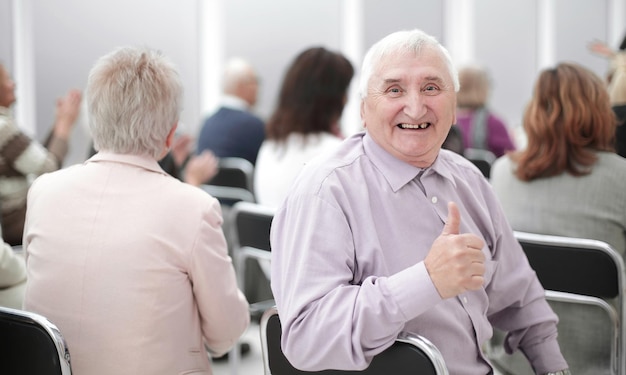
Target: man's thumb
(453,221)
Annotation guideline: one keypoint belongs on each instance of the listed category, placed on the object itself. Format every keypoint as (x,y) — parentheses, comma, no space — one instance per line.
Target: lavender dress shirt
(348,275)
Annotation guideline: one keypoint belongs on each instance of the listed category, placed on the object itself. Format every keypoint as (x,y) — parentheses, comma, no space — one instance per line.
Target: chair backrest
(410,354)
(234,172)
(574,265)
(31,345)
(250,235)
(251,223)
(228,195)
(584,282)
(483,159)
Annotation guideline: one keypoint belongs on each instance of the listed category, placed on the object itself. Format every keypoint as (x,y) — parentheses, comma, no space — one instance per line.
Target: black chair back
(234,172)
(252,223)
(573,266)
(31,345)
(410,354)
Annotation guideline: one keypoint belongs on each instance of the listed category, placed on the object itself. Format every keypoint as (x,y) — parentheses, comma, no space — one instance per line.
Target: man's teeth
(413,126)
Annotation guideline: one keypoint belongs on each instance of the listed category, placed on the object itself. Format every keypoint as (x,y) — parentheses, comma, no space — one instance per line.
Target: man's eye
(394,90)
(431,89)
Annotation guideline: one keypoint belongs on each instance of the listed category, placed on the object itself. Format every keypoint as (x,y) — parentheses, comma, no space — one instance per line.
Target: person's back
(590,206)
(568,181)
(279,163)
(130,263)
(233,130)
(482,129)
(305,122)
(115,280)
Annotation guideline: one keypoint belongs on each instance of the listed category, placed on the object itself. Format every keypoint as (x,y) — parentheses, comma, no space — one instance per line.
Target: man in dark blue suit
(233,131)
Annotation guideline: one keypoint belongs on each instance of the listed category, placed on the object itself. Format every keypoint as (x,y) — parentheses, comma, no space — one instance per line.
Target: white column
(616,17)
(25,109)
(352,47)
(546,30)
(459,30)
(211,40)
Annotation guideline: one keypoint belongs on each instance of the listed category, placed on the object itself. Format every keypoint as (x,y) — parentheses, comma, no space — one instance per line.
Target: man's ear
(363,113)
(170,136)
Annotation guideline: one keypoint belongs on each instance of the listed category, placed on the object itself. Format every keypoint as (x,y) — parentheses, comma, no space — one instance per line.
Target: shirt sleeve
(223,308)
(329,319)
(27,156)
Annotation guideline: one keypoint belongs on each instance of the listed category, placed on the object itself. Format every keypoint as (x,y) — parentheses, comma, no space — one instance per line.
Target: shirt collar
(141,161)
(234,102)
(397,172)
(5,111)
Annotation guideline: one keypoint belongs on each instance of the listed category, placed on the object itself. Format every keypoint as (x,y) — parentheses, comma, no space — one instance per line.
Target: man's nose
(415,107)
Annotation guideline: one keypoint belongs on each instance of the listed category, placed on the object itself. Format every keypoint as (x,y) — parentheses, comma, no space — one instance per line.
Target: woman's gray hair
(401,42)
(134,98)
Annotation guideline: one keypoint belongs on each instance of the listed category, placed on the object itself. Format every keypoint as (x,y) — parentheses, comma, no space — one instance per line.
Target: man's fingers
(453,222)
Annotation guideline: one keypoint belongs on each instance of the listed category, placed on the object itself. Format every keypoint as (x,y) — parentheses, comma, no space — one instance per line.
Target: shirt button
(433,199)
(464,299)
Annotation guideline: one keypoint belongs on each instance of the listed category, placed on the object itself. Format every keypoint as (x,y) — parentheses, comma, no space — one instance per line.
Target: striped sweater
(21,160)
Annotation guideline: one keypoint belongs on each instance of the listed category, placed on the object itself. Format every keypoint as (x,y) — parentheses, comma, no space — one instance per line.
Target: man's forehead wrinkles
(409,78)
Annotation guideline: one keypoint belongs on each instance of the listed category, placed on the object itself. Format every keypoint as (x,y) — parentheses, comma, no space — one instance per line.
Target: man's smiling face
(410,105)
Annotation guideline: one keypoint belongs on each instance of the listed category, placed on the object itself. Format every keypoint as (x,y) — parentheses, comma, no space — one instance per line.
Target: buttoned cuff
(546,357)
(413,291)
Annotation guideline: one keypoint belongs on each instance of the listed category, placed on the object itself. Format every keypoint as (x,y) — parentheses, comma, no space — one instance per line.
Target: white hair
(398,42)
(134,98)
(237,70)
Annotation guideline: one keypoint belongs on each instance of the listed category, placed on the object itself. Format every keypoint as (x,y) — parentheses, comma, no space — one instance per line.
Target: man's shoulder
(234,113)
(343,158)
(458,164)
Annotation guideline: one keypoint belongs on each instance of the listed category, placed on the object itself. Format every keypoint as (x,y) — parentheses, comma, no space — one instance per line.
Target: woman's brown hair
(568,119)
(313,94)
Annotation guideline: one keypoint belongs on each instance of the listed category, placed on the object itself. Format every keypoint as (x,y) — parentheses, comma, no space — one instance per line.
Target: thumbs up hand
(455,262)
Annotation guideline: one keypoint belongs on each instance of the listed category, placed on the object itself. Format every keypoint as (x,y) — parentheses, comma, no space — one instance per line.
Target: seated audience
(481,128)
(390,233)
(568,180)
(22,157)
(305,122)
(233,130)
(130,263)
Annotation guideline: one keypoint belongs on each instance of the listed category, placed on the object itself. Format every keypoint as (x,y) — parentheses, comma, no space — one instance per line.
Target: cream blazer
(132,266)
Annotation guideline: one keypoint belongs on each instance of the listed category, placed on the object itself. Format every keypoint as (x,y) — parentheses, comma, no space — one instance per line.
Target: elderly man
(130,263)
(391,233)
(233,130)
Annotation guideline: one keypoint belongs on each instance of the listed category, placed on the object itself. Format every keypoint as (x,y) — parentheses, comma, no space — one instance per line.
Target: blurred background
(49,46)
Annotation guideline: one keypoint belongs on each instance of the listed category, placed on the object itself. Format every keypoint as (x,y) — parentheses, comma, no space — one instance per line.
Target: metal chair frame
(581,272)
(32,332)
(249,225)
(407,347)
